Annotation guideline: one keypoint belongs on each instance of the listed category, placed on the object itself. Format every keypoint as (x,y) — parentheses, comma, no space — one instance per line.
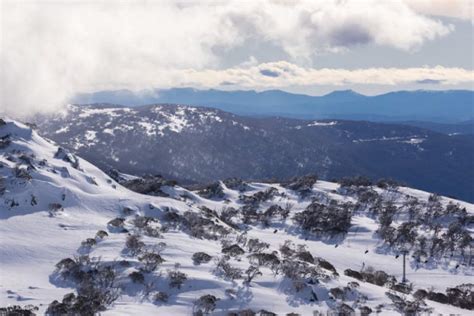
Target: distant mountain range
(437,106)
(199,144)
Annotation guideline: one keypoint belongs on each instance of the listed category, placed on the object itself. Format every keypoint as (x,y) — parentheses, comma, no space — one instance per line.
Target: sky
(51,50)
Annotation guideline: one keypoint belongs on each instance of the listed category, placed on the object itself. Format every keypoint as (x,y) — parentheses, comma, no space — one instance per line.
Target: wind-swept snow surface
(294,247)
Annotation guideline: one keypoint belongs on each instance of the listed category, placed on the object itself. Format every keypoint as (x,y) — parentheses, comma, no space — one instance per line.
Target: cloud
(293,75)
(459,9)
(51,50)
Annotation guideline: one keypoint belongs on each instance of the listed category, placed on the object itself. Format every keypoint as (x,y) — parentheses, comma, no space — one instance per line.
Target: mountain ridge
(204,144)
(426,105)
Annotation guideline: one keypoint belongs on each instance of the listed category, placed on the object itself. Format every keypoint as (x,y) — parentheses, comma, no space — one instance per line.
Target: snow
(318,123)
(86,112)
(64,129)
(414,141)
(90,136)
(32,241)
(108,131)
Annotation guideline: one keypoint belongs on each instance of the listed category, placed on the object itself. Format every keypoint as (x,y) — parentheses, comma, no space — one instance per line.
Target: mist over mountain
(198,144)
(437,106)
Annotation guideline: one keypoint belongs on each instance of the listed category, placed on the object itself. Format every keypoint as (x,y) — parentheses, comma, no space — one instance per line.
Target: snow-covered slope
(297,240)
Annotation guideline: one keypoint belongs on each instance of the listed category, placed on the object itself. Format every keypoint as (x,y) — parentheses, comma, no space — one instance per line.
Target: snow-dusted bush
(461,296)
(88,243)
(407,307)
(326,265)
(287,249)
(212,191)
(226,270)
(243,312)
(227,216)
(16,310)
(161,297)
(101,234)
(149,184)
(365,310)
(353,274)
(143,221)
(255,245)
(324,219)
(304,255)
(176,278)
(269,260)
(273,212)
(302,185)
(233,250)
(22,173)
(249,213)
(260,196)
(404,288)
(96,287)
(299,273)
(205,304)
(200,227)
(201,257)
(251,273)
(150,261)
(134,245)
(115,223)
(137,277)
(236,184)
(387,184)
(358,181)
(55,208)
(152,232)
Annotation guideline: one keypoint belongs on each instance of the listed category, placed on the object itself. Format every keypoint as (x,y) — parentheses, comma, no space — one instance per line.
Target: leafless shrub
(134,245)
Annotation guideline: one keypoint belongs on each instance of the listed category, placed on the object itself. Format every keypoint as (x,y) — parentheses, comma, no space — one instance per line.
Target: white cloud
(460,9)
(53,49)
(282,74)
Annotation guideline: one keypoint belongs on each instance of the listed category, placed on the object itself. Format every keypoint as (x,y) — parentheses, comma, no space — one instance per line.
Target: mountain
(201,144)
(74,241)
(437,106)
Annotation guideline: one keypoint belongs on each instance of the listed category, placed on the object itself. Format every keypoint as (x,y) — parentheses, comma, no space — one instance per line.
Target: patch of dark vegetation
(212,191)
(320,219)
(302,185)
(201,257)
(205,305)
(95,282)
(148,184)
(259,197)
(16,310)
(236,184)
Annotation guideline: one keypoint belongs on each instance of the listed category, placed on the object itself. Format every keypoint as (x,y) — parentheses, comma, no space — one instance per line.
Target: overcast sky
(51,50)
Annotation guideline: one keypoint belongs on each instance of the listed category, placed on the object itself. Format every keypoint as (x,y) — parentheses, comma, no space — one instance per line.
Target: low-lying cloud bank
(282,74)
(54,49)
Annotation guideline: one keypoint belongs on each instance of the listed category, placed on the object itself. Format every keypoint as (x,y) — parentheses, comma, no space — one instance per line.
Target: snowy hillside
(232,248)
